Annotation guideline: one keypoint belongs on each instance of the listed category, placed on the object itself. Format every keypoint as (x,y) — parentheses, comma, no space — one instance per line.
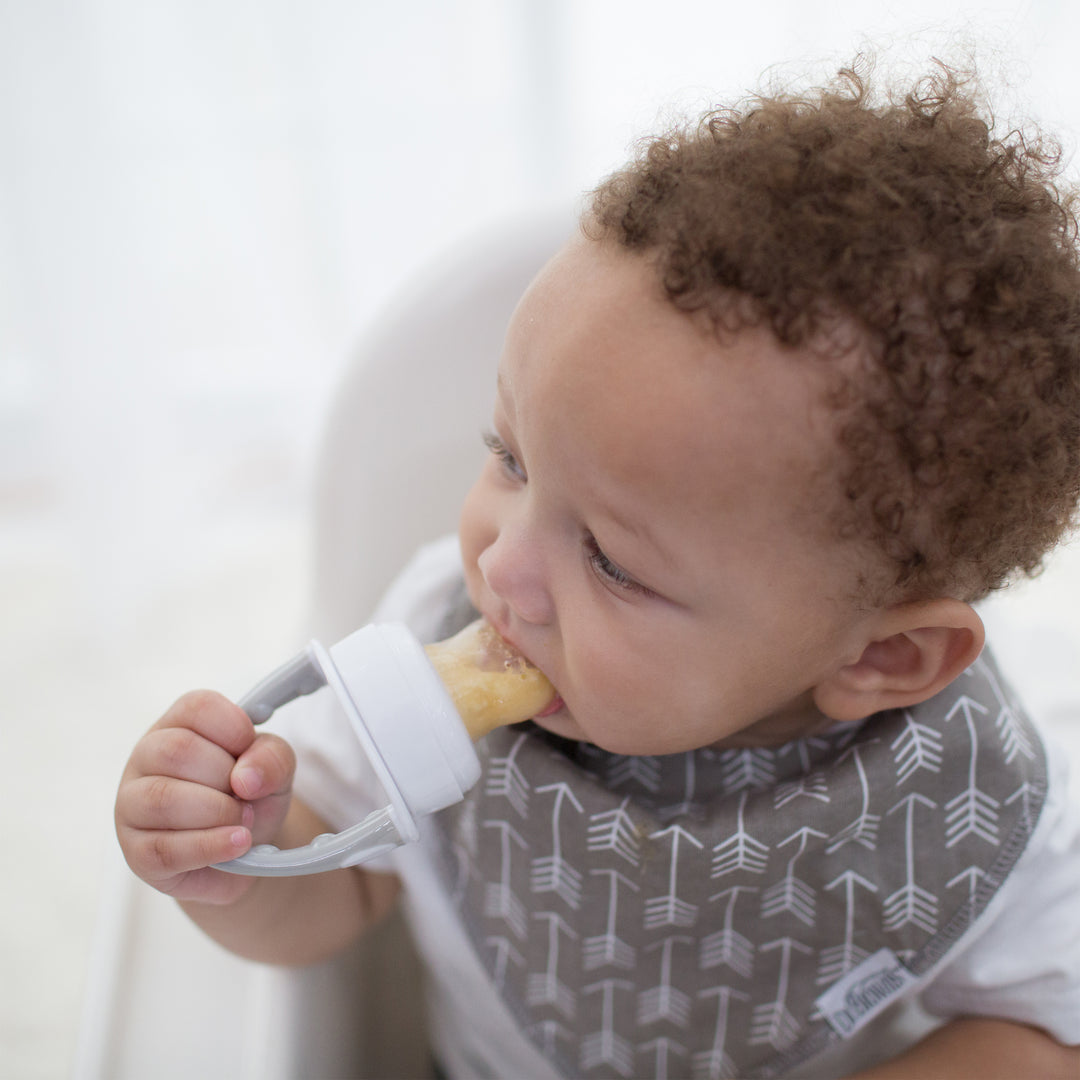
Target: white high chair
(401,448)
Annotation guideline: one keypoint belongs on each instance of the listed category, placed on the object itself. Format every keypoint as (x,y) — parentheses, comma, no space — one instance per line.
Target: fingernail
(247,815)
(239,838)
(247,781)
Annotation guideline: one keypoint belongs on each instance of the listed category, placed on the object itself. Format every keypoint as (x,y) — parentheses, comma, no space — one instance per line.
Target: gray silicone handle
(299,676)
(407,728)
(377,834)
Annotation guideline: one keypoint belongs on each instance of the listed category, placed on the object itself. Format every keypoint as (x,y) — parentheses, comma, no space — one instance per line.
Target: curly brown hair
(952,252)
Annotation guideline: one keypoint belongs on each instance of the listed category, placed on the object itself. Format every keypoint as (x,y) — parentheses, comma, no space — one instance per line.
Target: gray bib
(731,913)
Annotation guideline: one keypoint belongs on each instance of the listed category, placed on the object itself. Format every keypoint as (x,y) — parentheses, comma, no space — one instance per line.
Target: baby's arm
(984,1048)
(200,788)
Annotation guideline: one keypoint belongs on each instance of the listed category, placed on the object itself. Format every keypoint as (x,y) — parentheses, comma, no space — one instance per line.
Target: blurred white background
(202,202)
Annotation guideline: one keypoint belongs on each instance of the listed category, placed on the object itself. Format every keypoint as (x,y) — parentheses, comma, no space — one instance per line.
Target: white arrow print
(505,779)
(740,851)
(911,903)
(605,1047)
(669,910)
(773,1023)
(504,954)
(545,987)
(840,959)
(972,811)
(972,876)
(499,899)
(727,947)
(790,893)
(916,747)
(608,948)
(552,873)
(1014,738)
(714,1063)
(863,830)
(664,1001)
(664,1048)
(614,830)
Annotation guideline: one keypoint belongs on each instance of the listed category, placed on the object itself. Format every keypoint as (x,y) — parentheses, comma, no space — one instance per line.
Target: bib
(724,913)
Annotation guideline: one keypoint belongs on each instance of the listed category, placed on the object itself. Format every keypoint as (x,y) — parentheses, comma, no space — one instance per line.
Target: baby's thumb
(265,768)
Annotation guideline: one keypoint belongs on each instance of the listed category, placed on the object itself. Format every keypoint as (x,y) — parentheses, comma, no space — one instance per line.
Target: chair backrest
(402,444)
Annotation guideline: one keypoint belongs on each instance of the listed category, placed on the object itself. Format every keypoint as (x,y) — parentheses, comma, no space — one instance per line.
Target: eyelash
(507,462)
(604,568)
(609,571)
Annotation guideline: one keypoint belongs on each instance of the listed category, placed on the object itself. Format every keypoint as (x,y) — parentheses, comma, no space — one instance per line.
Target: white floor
(76,696)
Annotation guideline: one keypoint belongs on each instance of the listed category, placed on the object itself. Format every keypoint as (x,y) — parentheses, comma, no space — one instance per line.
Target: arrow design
(1014,737)
(791,893)
(1024,795)
(608,948)
(664,1048)
(549,1032)
(714,1063)
(916,747)
(972,811)
(642,770)
(811,786)
(505,953)
(552,873)
(772,1023)
(665,813)
(505,779)
(838,960)
(911,903)
(614,830)
(727,947)
(740,851)
(669,910)
(748,769)
(605,1047)
(500,902)
(971,877)
(664,1001)
(863,830)
(801,749)
(545,987)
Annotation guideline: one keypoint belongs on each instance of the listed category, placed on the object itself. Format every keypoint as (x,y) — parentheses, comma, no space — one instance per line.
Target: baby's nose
(513,569)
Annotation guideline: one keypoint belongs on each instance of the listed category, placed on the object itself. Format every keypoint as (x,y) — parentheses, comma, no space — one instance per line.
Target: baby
(806,388)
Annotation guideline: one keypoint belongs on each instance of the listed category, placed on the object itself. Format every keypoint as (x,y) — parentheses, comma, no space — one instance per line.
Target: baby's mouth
(556,704)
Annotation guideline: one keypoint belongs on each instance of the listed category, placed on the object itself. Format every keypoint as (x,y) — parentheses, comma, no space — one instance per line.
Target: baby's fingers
(265,768)
(183,754)
(165,857)
(164,802)
(214,717)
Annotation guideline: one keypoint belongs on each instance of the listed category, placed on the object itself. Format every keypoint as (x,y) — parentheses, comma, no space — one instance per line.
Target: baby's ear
(913,651)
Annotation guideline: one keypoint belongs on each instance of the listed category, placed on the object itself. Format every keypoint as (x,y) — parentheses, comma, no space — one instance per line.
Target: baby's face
(650,529)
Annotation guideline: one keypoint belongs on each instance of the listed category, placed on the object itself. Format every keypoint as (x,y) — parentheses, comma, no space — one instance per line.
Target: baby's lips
(555,705)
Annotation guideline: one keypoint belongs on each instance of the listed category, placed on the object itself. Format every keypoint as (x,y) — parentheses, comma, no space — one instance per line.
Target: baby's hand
(200,788)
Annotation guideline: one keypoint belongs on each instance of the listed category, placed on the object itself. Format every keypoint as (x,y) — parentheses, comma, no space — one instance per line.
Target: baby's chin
(563,724)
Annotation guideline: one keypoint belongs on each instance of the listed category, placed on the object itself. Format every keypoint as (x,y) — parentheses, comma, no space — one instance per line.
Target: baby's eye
(611,572)
(507,462)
